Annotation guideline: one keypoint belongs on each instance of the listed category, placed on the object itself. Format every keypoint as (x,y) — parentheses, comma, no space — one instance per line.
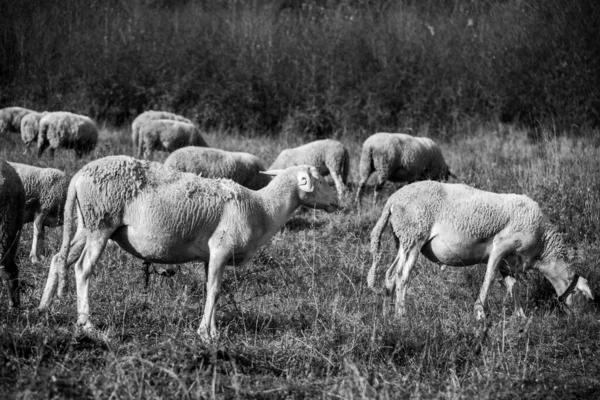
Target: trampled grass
(299,322)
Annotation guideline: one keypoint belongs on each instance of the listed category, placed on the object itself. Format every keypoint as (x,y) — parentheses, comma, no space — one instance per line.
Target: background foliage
(320,67)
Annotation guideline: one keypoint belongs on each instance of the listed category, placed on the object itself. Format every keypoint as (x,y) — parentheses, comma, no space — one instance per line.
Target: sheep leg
(513,292)
(498,252)
(37,246)
(402,276)
(214,277)
(339,185)
(57,271)
(10,277)
(361,187)
(51,151)
(381,179)
(83,270)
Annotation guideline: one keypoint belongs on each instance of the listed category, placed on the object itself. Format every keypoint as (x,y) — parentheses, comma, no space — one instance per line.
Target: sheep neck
(280,199)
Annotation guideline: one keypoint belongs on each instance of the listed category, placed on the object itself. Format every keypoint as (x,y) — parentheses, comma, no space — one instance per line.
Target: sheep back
(68,130)
(150,115)
(326,155)
(169,135)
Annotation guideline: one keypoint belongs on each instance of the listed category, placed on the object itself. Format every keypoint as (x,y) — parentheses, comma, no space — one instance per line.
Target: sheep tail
(376,243)
(59,261)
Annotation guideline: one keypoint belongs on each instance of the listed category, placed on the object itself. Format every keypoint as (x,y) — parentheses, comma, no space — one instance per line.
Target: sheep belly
(160,247)
(451,247)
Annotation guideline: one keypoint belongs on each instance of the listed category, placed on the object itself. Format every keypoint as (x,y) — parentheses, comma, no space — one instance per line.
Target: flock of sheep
(220,207)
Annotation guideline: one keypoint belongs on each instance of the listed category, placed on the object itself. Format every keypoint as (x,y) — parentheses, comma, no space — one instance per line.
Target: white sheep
(167,135)
(30,127)
(12,203)
(45,196)
(329,156)
(150,115)
(63,129)
(457,225)
(162,215)
(399,157)
(10,119)
(243,168)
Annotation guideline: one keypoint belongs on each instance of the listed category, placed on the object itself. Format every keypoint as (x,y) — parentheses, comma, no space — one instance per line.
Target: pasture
(299,321)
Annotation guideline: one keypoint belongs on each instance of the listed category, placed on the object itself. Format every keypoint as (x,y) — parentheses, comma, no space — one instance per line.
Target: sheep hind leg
(10,277)
(214,276)
(339,185)
(84,268)
(512,291)
(37,247)
(402,277)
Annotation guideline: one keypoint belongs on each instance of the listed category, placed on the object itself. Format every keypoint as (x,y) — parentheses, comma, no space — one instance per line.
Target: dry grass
(299,322)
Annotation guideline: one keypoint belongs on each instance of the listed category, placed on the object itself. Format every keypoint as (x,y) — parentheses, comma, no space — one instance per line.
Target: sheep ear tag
(305,183)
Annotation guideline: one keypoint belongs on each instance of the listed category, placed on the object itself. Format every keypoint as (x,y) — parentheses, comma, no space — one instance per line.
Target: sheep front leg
(214,276)
(37,247)
(10,276)
(499,250)
(512,291)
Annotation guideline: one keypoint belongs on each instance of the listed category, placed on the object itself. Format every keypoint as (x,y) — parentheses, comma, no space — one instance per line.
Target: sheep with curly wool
(147,116)
(167,135)
(30,128)
(457,225)
(12,202)
(328,155)
(399,157)
(45,196)
(10,119)
(162,215)
(240,167)
(62,129)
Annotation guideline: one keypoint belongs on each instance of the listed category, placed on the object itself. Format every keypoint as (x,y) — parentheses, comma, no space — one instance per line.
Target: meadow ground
(299,322)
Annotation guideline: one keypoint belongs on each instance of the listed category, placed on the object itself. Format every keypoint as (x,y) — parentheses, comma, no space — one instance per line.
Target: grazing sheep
(243,168)
(457,225)
(30,127)
(63,129)
(147,116)
(12,203)
(45,196)
(10,119)
(329,156)
(162,215)
(399,157)
(167,135)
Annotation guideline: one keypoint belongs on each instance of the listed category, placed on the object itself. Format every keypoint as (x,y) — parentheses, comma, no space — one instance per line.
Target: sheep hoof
(479,313)
(35,259)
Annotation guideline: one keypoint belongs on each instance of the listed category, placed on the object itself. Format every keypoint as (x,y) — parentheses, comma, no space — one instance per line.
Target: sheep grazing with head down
(30,128)
(10,119)
(167,135)
(457,225)
(162,215)
(66,130)
(399,157)
(12,202)
(45,196)
(243,168)
(147,116)
(329,156)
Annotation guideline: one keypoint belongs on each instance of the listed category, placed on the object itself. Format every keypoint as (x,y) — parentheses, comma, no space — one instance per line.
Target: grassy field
(299,322)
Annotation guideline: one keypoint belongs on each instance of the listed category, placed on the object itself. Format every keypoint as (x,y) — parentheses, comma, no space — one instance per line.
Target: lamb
(63,129)
(162,215)
(243,168)
(12,203)
(45,196)
(30,127)
(329,156)
(400,157)
(168,135)
(10,119)
(457,225)
(147,116)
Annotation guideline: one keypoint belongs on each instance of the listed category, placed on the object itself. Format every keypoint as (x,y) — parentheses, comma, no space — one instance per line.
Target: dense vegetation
(320,67)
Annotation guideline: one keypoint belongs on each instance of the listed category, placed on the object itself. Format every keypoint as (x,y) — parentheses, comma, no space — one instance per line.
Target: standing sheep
(63,129)
(329,156)
(161,215)
(12,202)
(10,119)
(457,225)
(168,135)
(30,128)
(243,168)
(399,157)
(45,196)
(147,116)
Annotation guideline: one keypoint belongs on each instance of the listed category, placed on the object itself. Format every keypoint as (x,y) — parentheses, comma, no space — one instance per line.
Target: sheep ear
(305,182)
(582,285)
(272,172)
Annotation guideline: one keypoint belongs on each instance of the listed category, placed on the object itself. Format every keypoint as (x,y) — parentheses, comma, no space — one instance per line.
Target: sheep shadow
(298,223)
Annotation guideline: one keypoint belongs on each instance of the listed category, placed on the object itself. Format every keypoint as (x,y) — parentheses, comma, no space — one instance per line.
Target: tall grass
(318,68)
(299,322)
